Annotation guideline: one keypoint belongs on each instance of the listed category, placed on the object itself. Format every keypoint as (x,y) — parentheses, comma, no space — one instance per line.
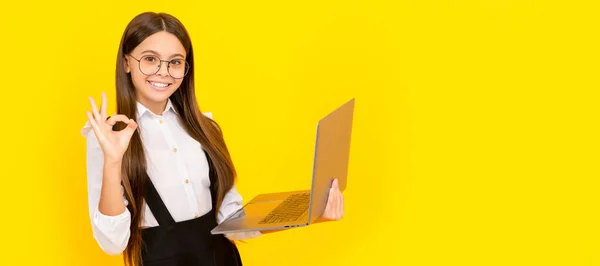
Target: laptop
(291,209)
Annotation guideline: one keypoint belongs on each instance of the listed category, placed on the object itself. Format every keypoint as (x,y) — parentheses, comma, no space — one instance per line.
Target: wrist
(112,162)
(112,168)
(112,171)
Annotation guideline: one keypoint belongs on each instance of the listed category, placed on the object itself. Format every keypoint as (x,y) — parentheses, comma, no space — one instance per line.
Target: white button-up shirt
(178,168)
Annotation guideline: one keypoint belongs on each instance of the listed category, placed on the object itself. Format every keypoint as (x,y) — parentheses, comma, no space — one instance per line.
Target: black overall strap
(212,175)
(157,206)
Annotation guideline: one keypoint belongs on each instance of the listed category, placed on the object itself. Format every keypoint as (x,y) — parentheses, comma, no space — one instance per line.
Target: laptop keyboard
(289,210)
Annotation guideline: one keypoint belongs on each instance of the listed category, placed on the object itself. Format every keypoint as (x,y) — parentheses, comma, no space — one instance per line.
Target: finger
(343,206)
(335,184)
(113,119)
(103,106)
(131,127)
(93,123)
(230,236)
(95,110)
(334,198)
(328,206)
(335,204)
(340,206)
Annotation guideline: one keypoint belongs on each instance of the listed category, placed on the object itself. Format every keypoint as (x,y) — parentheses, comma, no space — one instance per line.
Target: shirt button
(174,149)
(160,121)
(195,215)
(187,181)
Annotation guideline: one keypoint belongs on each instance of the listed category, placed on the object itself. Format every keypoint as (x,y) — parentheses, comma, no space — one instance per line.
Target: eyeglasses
(151,64)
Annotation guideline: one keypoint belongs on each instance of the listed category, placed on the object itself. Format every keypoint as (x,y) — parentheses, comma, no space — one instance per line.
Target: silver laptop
(300,208)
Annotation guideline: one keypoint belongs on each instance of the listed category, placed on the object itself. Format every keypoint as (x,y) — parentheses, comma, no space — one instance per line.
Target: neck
(155,107)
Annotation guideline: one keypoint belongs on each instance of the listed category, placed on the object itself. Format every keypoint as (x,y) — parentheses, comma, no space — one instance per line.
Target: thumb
(131,127)
(335,184)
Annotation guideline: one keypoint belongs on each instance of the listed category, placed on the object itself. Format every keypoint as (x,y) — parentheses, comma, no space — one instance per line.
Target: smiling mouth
(161,86)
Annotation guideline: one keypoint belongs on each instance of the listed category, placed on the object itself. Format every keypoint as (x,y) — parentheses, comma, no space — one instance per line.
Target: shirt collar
(141,109)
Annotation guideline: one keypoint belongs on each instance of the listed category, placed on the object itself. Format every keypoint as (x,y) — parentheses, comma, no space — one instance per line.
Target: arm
(111,196)
(109,217)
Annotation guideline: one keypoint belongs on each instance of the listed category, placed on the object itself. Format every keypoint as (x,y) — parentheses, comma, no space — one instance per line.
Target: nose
(163,69)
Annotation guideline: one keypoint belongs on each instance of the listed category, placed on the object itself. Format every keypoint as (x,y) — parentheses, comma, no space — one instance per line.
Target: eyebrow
(156,53)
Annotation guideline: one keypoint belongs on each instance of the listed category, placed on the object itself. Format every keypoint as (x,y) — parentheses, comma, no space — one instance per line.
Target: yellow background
(475,138)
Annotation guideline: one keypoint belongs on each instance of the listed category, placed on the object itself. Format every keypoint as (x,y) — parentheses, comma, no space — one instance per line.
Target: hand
(241,236)
(334,210)
(113,143)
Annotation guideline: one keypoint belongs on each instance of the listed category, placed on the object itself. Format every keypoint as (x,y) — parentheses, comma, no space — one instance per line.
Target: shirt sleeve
(111,232)
(232,202)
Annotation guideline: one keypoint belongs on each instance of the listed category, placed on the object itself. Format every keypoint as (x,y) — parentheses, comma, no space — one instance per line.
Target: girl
(159,173)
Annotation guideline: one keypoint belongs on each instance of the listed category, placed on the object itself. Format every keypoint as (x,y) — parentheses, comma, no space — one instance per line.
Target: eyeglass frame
(160,65)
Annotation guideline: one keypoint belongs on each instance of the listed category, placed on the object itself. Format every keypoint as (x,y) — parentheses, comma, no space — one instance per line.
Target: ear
(126,65)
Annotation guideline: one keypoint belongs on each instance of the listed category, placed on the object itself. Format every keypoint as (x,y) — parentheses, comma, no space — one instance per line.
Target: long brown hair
(203,129)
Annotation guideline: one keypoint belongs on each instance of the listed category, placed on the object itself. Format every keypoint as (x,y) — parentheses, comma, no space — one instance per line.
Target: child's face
(152,88)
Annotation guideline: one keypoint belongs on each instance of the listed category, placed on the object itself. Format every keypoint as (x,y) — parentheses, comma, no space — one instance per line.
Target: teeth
(162,85)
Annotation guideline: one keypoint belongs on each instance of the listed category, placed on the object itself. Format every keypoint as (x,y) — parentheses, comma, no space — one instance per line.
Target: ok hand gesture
(113,143)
